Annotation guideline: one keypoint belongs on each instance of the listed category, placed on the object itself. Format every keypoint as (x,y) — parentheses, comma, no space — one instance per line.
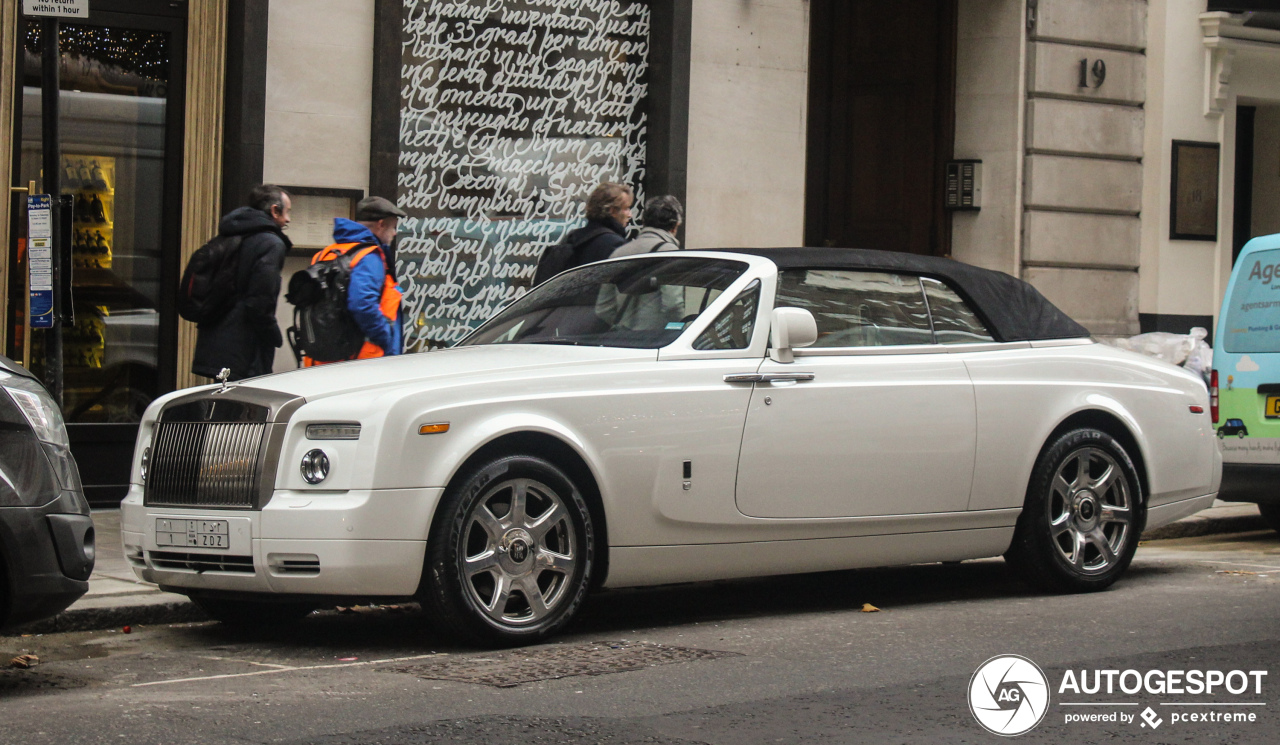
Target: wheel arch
(1111,423)
(562,453)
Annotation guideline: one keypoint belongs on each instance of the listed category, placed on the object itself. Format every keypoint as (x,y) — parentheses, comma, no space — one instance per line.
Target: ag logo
(1009,695)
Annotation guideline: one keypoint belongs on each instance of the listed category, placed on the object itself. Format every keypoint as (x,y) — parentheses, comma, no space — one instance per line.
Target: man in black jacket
(245,339)
(608,212)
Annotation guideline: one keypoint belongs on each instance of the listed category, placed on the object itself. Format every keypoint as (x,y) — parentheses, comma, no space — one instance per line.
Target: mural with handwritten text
(512,111)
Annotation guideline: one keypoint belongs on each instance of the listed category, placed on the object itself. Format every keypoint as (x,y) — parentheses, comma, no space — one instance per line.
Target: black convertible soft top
(1012,309)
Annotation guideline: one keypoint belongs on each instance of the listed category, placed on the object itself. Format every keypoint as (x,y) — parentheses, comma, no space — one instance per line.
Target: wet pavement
(787,659)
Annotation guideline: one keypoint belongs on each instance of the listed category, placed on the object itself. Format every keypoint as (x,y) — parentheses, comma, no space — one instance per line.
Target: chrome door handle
(767,377)
(797,376)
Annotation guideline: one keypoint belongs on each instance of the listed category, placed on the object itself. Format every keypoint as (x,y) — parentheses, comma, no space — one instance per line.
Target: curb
(97,619)
(1190,527)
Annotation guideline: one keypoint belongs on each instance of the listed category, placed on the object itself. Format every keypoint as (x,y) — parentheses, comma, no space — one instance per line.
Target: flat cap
(377,208)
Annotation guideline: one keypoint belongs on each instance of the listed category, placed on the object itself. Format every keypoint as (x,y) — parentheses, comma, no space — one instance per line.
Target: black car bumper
(47,554)
(1250,482)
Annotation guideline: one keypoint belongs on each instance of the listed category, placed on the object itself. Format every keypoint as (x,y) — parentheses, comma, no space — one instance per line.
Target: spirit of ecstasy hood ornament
(223,374)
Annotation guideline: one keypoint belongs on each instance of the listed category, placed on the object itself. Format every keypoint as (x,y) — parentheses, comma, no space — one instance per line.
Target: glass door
(121,112)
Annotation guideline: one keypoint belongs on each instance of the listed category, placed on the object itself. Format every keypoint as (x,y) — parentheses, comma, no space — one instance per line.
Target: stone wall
(1082,196)
(748,96)
(989,40)
(319,97)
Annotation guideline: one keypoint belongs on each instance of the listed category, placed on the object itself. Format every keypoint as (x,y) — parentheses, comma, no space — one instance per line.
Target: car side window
(732,328)
(954,322)
(858,309)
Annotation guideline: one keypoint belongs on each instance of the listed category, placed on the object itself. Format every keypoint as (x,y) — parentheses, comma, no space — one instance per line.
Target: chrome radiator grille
(212,464)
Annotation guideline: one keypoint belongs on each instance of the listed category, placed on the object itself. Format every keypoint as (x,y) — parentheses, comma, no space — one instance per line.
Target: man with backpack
(231,284)
(608,212)
(359,261)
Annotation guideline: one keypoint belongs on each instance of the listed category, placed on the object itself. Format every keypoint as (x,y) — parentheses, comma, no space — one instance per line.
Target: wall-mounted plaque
(1193,214)
(313,211)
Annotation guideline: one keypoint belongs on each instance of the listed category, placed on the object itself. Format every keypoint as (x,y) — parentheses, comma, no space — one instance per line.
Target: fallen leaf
(1236,571)
(869,608)
(347,659)
(24,661)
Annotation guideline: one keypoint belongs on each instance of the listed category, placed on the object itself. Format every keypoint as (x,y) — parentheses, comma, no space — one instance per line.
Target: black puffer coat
(600,242)
(246,338)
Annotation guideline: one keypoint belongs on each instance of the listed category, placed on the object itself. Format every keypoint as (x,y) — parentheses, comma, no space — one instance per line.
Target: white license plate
(193,533)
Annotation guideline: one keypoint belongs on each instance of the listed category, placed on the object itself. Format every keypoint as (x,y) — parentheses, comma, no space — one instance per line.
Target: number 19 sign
(40,259)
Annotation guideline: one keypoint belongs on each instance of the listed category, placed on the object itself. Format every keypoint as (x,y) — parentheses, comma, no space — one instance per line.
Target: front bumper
(48,554)
(360,543)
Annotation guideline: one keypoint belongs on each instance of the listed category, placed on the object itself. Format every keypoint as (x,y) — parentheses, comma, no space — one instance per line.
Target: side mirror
(790,328)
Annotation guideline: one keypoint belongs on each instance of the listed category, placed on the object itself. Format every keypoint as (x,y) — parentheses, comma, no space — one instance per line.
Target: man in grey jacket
(662,218)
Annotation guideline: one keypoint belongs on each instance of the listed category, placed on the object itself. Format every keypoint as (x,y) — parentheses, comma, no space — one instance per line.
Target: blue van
(1244,388)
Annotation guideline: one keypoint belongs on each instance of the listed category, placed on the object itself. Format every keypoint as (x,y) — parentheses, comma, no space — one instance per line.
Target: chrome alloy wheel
(518,554)
(1090,513)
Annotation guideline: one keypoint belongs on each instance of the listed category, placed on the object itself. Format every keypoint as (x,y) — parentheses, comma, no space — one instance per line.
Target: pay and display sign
(56,8)
(40,259)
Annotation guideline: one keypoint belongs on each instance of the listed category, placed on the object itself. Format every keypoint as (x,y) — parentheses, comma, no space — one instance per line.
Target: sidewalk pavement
(117,598)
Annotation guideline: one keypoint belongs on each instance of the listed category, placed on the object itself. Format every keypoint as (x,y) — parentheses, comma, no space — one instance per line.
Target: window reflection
(858,309)
(114,84)
(954,322)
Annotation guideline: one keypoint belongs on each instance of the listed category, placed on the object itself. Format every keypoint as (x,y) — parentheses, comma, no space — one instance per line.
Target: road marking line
(1241,564)
(288,670)
(243,662)
(1165,560)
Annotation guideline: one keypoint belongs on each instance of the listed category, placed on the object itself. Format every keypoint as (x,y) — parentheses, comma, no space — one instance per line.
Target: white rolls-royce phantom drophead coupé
(672,417)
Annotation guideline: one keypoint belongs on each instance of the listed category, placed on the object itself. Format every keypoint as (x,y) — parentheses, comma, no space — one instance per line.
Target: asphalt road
(782,660)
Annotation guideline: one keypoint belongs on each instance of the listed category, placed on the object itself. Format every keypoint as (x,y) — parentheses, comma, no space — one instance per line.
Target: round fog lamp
(315,466)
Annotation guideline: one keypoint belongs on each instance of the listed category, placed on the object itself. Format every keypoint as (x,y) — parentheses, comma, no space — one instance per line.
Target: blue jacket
(365,293)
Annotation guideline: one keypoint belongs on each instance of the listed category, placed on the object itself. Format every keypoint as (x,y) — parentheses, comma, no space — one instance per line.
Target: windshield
(639,304)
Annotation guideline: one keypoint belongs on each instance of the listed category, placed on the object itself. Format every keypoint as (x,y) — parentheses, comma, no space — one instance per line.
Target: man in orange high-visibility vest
(372,296)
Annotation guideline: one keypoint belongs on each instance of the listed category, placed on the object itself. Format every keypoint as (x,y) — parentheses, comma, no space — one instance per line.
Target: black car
(1233,427)
(46,534)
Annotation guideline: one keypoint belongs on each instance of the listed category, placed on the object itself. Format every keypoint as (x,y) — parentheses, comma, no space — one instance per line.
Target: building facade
(1114,153)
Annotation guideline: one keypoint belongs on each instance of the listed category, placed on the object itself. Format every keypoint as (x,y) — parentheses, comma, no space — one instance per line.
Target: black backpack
(209,282)
(323,328)
(563,255)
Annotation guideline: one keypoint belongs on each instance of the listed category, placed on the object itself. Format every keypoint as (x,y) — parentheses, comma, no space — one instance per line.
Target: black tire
(481,543)
(251,614)
(1271,513)
(1079,533)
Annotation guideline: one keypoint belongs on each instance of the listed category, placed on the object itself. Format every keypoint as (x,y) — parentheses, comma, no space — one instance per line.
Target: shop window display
(114,84)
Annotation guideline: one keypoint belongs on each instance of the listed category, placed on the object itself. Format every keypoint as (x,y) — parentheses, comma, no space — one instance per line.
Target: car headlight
(39,409)
(315,466)
(145,464)
(28,465)
(334,431)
